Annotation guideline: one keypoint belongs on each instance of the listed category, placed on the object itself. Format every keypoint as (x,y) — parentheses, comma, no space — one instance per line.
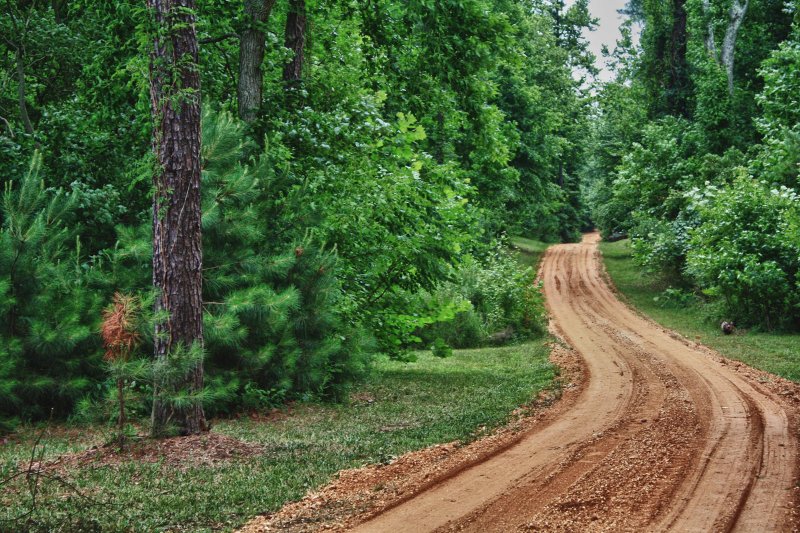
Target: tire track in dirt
(662,437)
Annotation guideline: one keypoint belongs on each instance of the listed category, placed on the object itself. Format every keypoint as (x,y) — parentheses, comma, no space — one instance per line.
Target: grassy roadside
(401,407)
(774,352)
(530,251)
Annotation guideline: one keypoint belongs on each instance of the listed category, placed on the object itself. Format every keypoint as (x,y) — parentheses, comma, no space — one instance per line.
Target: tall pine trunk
(251,55)
(295,40)
(177,250)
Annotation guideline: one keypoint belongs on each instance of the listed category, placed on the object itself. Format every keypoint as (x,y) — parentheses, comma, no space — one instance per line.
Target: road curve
(663,437)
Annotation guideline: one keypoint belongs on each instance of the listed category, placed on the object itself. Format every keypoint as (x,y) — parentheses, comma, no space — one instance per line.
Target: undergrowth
(401,407)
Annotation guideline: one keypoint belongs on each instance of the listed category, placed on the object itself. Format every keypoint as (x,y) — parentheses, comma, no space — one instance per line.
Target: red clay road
(662,437)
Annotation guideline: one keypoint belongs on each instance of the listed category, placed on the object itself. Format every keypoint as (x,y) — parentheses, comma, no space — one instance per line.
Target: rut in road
(662,436)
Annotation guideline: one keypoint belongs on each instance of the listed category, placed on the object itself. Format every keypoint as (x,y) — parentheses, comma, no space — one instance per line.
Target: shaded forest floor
(777,353)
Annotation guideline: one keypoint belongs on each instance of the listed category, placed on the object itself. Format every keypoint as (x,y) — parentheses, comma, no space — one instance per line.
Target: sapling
(120,338)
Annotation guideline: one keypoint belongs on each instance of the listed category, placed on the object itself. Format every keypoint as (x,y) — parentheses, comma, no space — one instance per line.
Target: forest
(362,166)
(214,209)
(695,155)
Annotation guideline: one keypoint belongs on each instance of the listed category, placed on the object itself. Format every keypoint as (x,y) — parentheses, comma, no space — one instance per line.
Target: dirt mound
(176,452)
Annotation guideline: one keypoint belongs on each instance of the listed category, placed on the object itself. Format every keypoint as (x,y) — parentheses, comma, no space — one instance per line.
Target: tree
(678,87)
(665,69)
(295,41)
(20,31)
(177,244)
(736,15)
(251,55)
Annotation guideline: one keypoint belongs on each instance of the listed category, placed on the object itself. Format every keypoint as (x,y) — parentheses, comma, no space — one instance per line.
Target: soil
(176,452)
(653,432)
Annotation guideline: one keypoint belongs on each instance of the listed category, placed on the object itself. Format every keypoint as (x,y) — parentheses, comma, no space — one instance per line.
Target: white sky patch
(607,32)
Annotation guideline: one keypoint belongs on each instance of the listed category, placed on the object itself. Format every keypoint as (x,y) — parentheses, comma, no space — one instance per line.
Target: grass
(778,353)
(401,407)
(530,251)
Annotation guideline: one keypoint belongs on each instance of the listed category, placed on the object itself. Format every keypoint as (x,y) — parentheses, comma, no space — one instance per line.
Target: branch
(10,130)
(212,40)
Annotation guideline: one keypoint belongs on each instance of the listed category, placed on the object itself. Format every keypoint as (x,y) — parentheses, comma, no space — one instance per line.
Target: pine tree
(48,347)
(272,319)
(177,241)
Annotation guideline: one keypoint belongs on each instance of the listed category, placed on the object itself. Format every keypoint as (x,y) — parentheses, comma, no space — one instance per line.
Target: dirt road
(662,436)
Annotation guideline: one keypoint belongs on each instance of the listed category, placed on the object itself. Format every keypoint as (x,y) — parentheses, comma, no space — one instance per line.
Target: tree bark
(177,245)
(60,10)
(19,58)
(711,43)
(251,55)
(735,18)
(295,41)
(679,71)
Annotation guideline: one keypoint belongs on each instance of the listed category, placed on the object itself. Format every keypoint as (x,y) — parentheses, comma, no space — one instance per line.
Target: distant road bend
(661,437)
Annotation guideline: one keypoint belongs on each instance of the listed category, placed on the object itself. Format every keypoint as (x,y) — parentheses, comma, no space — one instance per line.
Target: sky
(607,31)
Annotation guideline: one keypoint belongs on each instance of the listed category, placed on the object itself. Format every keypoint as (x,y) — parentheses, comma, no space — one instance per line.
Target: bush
(661,245)
(779,156)
(747,251)
(505,302)
(652,176)
(273,320)
(441,349)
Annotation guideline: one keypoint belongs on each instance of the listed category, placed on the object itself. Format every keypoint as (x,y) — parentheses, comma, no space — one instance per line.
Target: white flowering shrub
(747,250)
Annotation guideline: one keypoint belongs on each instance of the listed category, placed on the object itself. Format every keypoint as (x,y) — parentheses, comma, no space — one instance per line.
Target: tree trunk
(251,55)
(60,10)
(177,250)
(711,43)
(121,420)
(677,91)
(735,18)
(295,41)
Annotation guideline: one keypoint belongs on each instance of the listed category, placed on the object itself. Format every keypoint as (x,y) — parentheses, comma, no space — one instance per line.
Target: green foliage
(779,157)
(273,319)
(419,132)
(505,303)
(706,203)
(48,310)
(747,251)
(441,349)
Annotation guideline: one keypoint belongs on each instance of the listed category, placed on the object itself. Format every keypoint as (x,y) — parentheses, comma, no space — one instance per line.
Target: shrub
(661,245)
(747,251)
(273,321)
(779,157)
(441,349)
(503,297)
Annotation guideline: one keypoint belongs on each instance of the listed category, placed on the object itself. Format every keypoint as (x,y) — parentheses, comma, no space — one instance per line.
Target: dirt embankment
(654,433)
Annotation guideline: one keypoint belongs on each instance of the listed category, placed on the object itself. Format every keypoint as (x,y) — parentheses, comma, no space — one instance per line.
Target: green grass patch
(401,407)
(778,353)
(530,251)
